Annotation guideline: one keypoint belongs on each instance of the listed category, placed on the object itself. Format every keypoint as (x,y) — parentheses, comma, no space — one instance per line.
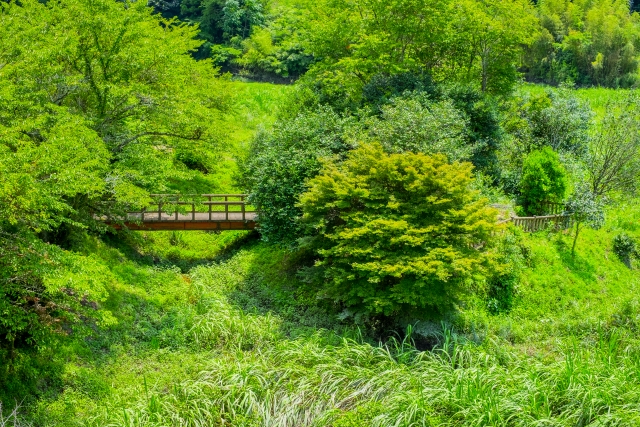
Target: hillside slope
(225,341)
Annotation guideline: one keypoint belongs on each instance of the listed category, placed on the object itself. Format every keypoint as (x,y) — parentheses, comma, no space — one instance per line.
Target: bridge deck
(202,212)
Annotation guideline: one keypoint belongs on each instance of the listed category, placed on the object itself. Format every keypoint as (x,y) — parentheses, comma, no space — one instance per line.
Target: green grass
(206,329)
(225,340)
(596,97)
(255,107)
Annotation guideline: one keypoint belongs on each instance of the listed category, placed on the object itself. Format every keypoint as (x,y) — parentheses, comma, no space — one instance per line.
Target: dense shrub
(555,118)
(383,88)
(282,160)
(484,130)
(399,234)
(543,180)
(416,124)
(221,20)
(625,248)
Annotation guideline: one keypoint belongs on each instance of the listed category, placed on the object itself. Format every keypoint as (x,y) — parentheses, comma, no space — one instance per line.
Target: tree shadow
(575,263)
(271,286)
(134,247)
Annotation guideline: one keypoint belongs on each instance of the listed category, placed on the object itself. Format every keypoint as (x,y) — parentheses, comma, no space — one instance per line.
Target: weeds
(11,418)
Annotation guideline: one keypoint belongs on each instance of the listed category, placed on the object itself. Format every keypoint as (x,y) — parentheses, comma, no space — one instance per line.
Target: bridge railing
(198,207)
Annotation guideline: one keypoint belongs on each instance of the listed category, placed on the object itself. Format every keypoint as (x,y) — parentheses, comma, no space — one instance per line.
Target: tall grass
(305,383)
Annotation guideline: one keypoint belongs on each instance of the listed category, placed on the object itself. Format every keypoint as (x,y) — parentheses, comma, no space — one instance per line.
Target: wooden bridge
(191,212)
(232,212)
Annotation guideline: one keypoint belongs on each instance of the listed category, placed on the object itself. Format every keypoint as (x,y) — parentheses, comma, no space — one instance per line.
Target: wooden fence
(551,208)
(536,223)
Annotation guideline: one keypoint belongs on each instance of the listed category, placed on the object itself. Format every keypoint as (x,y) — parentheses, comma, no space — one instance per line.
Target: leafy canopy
(97,97)
(589,42)
(470,41)
(397,233)
(281,161)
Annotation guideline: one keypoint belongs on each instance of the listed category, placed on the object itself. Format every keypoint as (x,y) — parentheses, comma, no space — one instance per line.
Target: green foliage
(502,286)
(92,117)
(101,101)
(280,162)
(275,50)
(104,95)
(418,125)
(587,208)
(625,248)
(29,310)
(556,118)
(472,42)
(570,340)
(586,42)
(397,234)
(483,130)
(543,180)
(222,20)
(613,161)
(464,126)
(381,89)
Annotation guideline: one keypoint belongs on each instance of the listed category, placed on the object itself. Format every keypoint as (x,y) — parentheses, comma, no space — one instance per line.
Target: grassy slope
(596,97)
(206,330)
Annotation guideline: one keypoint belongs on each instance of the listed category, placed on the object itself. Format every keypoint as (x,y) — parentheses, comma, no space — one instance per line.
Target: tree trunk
(575,239)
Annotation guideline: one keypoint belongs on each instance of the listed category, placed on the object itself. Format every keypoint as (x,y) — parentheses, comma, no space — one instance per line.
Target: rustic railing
(194,212)
(536,223)
(200,207)
(552,208)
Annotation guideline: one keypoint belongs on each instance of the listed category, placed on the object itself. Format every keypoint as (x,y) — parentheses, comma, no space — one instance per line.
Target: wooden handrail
(540,217)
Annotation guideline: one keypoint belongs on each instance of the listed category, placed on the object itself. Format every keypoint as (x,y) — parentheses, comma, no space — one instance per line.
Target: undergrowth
(226,340)
(206,329)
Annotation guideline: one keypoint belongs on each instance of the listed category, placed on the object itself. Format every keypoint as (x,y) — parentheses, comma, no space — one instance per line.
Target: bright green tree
(397,234)
(470,41)
(543,180)
(97,99)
